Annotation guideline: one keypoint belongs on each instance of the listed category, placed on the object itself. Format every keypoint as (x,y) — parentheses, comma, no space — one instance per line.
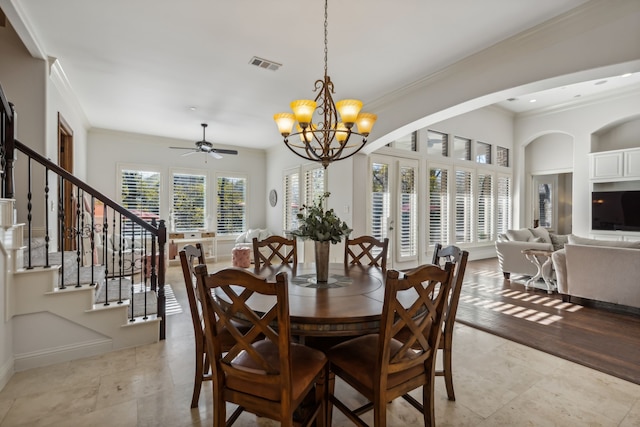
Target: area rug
(602,339)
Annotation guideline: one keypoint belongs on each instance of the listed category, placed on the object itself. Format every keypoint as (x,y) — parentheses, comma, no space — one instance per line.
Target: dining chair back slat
(366,250)
(275,250)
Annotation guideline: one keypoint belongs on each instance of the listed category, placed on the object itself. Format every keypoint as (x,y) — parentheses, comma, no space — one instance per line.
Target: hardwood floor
(601,338)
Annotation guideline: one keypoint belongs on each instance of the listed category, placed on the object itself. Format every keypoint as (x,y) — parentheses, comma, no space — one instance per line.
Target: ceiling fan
(206,147)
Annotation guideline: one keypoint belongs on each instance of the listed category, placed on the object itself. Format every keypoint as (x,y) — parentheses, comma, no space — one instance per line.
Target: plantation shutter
(380,200)
(408,215)
(232,199)
(485,207)
(504,203)
(140,193)
(188,202)
(313,185)
(291,203)
(438,206)
(464,207)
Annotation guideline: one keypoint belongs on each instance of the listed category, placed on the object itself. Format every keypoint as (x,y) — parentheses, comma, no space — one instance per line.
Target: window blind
(380,200)
(438,206)
(504,203)
(464,207)
(291,201)
(232,199)
(484,222)
(313,184)
(140,193)
(188,202)
(408,213)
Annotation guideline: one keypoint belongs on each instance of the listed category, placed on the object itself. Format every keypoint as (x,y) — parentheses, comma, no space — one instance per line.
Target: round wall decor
(273,197)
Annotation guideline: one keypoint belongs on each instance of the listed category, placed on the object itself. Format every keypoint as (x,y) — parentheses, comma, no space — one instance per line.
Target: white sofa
(600,270)
(509,247)
(130,250)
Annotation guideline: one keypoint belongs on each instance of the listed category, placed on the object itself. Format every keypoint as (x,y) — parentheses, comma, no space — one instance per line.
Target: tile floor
(497,383)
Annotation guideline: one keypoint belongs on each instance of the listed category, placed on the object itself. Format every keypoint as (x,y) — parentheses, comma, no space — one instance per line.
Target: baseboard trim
(6,372)
(61,354)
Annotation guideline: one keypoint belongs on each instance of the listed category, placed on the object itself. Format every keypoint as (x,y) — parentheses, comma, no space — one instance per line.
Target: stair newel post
(105,252)
(9,111)
(46,216)
(61,216)
(120,267)
(113,252)
(29,208)
(154,278)
(79,231)
(133,274)
(162,244)
(92,236)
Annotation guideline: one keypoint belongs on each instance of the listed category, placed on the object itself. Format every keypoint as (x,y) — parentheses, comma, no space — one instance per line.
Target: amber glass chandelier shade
(306,135)
(341,133)
(348,110)
(365,122)
(303,110)
(285,122)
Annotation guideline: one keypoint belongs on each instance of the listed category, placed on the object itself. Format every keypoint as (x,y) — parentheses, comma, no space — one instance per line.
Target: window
(484,222)
(407,142)
(504,204)
(380,200)
(232,198)
(292,203)
(464,206)
(483,153)
(437,143)
(438,206)
(188,202)
(297,193)
(408,231)
(461,148)
(140,193)
(502,156)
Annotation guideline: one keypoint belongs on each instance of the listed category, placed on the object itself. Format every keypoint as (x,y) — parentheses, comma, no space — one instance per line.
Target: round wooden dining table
(349,304)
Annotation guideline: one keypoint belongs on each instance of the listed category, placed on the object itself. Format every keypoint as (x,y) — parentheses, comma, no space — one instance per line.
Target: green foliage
(320,225)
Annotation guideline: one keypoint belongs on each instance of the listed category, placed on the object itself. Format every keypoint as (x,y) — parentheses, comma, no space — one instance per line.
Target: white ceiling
(163,67)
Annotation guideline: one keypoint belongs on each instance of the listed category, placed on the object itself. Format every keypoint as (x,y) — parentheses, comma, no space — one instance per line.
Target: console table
(206,238)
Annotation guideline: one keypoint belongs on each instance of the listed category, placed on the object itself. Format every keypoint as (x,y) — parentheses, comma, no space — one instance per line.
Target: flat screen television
(615,210)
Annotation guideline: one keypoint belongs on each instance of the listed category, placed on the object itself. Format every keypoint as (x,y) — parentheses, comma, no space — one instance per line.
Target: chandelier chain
(326,25)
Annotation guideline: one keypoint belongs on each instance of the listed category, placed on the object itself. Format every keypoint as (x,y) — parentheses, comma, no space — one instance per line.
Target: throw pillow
(541,232)
(522,235)
(558,240)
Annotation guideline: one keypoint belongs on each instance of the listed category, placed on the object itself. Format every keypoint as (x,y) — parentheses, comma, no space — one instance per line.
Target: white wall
(624,135)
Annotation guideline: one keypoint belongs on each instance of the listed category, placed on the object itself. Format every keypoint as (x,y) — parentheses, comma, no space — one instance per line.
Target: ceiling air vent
(263,63)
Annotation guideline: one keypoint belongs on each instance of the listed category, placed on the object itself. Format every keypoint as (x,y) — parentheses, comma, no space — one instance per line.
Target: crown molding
(58,77)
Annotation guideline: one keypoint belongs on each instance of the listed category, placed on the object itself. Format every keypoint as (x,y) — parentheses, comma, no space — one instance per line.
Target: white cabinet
(618,165)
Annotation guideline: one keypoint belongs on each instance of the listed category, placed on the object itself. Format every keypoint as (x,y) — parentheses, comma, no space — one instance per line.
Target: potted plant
(323,227)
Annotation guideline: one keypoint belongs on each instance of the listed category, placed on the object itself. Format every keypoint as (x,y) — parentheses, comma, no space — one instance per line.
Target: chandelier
(326,140)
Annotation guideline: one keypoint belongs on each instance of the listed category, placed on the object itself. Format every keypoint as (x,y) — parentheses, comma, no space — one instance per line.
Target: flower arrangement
(320,225)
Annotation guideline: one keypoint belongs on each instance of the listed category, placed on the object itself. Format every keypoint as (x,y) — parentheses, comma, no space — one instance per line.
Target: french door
(393,206)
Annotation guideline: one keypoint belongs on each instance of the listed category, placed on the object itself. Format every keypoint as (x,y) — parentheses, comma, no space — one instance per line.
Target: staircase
(63,304)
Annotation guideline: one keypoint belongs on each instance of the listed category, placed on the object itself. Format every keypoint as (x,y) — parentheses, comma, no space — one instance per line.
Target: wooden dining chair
(270,377)
(458,257)
(191,256)
(381,367)
(366,250)
(275,250)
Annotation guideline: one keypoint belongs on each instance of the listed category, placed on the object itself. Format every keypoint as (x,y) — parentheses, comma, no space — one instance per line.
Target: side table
(541,258)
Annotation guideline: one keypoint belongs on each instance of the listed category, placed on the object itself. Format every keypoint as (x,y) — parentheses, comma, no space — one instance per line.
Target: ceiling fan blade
(182,148)
(190,153)
(214,155)
(223,151)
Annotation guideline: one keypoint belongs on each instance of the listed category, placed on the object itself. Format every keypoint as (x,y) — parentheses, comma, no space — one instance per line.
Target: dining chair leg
(321,396)
(197,382)
(329,389)
(428,403)
(448,374)
(380,412)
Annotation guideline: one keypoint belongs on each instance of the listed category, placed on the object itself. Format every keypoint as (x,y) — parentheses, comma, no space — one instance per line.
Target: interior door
(393,207)
(65,161)
(545,201)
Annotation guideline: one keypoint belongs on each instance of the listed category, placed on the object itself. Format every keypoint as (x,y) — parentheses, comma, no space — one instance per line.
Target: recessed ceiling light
(626,75)
(512,99)
(532,100)
(577,96)
(601,82)
(192,108)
